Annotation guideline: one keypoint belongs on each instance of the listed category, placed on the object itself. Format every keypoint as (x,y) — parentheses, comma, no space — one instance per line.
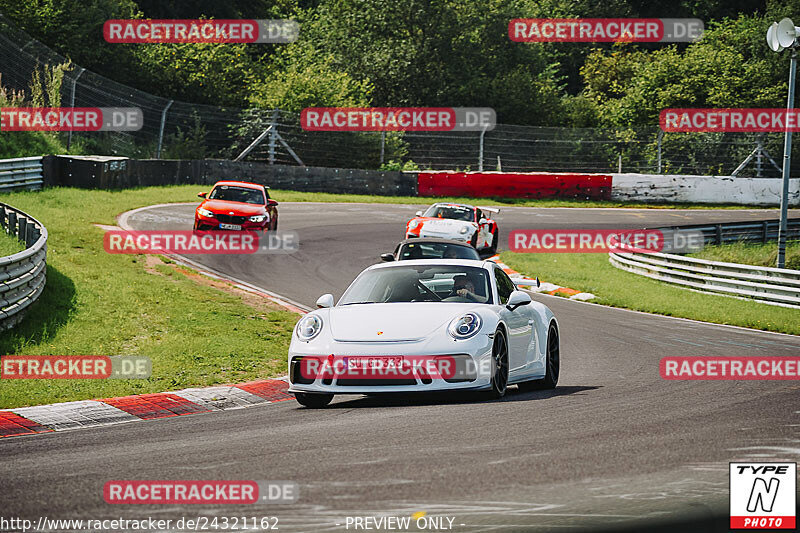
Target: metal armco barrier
(775,286)
(728,232)
(22,275)
(21,173)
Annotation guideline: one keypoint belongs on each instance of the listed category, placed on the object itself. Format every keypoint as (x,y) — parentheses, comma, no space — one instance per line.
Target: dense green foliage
(453,52)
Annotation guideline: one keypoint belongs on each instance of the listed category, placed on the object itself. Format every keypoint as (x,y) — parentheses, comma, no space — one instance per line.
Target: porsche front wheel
(499,365)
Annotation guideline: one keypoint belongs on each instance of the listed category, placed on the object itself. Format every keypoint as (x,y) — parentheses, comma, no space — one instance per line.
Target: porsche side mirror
(418,213)
(482,221)
(517,299)
(272,202)
(201,194)
(326,300)
(387,257)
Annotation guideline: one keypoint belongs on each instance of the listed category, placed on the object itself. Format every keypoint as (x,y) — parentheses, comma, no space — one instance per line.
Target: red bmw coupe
(236,205)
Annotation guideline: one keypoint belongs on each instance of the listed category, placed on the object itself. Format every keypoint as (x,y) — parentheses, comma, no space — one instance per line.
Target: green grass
(618,288)
(9,245)
(97,303)
(752,254)
(30,143)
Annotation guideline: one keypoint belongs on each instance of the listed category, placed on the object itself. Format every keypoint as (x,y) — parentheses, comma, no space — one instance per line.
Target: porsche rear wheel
(312,400)
(550,379)
(499,365)
(474,240)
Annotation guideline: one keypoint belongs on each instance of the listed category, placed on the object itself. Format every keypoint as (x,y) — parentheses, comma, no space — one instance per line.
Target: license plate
(373,363)
(230,226)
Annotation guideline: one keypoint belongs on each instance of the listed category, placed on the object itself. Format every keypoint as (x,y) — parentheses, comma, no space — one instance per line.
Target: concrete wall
(702,189)
(95,172)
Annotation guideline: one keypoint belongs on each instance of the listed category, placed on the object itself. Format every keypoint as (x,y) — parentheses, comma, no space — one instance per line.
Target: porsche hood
(392,322)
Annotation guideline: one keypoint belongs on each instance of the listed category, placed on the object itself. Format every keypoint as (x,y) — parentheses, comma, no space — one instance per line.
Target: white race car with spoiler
(459,222)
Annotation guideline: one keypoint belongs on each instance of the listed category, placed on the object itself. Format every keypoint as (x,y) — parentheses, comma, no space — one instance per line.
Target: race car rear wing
(489,209)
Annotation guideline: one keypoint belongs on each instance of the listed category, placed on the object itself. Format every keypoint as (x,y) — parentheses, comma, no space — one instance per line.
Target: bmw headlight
(465,326)
(205,212)
(413,224)
(308,327)
(258,218)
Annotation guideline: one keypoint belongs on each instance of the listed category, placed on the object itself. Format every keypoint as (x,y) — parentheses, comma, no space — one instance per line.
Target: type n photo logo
(763,495)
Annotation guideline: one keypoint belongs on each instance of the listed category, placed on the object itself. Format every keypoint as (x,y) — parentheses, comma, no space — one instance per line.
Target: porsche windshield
(420,283)
(244,195)
(450,211)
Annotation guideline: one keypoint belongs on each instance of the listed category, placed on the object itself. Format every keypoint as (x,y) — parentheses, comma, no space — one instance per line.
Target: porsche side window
(504,285)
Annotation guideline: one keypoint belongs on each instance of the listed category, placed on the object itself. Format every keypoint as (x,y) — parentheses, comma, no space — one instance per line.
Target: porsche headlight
(308,327)
(258,218)
(205,212)
(465,326)
(413,224)
(464,230)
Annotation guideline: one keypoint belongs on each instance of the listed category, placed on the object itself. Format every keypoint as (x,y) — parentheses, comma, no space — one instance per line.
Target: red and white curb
(547,288)
(92,413)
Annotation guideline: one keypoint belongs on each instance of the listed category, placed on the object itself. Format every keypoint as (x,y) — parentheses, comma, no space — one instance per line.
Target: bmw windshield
(243,195)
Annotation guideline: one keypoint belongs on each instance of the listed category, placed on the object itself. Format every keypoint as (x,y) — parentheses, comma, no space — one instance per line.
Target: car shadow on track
(443,398)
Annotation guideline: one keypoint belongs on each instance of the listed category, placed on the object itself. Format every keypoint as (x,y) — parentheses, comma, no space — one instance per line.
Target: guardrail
(759,231)
(21,173)
(776,286)
(22,275)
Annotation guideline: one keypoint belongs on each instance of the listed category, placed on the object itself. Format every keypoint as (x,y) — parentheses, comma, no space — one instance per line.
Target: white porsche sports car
(460,222)
(424,325)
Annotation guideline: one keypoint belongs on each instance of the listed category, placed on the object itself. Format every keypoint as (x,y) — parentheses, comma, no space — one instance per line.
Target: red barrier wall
(515,185)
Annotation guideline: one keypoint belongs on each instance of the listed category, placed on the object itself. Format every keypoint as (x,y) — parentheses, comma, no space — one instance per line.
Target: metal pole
(273,130)
(759,157)
(161,129)
(480,152)
(383,145)
(72,102)
(787,160)
(658,141)
(253,144)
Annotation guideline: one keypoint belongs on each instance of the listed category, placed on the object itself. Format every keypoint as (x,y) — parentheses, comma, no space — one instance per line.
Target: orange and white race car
(459,222)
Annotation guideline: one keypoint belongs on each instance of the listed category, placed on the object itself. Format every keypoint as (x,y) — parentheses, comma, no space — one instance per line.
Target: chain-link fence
(181,130)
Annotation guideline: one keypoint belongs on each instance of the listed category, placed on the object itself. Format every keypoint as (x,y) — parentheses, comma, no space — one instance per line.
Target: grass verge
(9,245)
(188,193)
(618,288)
(752,254)
(97,303)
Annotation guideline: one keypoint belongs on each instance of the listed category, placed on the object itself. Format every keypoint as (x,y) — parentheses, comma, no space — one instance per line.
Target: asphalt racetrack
(613,446)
